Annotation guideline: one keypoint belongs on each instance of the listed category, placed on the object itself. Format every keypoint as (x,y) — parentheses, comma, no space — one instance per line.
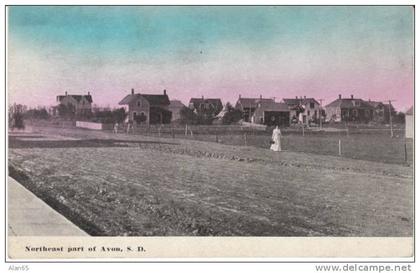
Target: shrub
(232,115)
(187,116)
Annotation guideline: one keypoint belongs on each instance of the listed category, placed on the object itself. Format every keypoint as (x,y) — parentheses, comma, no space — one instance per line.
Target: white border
(249,267)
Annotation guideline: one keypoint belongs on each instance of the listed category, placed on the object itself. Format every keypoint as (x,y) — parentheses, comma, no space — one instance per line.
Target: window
(139,103)
(309,112)
(312,105)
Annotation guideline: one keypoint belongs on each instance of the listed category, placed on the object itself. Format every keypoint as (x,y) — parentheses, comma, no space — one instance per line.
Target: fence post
(217,138)
(405,152)
(339,147)
(303,129)
(246,140)
(159,131)
(173,133)
(186,129)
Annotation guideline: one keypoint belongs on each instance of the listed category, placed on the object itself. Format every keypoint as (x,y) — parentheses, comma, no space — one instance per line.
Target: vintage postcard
(206,132)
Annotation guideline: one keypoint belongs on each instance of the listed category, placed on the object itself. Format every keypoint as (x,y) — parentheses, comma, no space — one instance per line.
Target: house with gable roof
(147,108)
(304,109)
(78,104)
(349,110)
(207,107)
(248,106)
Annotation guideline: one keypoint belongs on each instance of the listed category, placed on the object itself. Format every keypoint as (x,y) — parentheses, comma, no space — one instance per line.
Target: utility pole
(390,117)
(320,114)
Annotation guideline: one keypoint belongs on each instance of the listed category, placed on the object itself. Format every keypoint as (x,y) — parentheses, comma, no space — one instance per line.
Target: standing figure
(116,128)
(276,146)
(129,126)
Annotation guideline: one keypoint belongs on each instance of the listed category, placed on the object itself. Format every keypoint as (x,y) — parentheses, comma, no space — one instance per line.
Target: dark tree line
(189,116)
(16,116)
(37,114)
(109,116)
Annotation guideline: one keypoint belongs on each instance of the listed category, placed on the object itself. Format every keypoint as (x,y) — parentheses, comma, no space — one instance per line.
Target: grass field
(137,185)
(379,148)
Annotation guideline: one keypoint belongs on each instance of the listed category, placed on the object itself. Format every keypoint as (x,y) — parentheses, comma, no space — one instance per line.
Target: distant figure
(129,127)
(276,146)
(116,128)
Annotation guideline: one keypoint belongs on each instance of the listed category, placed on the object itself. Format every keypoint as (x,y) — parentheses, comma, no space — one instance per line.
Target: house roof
(78,98)
(176,104)
(274,106)
(375,103)
(410,111)
(384,105)
(252,102)
(349,103)
(216,102)
(151,98)
(292,102)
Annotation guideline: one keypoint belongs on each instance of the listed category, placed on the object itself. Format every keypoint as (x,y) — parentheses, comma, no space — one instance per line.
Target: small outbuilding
(175,107)
(271,113)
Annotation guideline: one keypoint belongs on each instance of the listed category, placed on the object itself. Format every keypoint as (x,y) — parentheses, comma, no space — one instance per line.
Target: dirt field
(137,185)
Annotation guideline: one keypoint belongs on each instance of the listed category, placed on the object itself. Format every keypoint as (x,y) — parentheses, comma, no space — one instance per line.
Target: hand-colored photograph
(262,121)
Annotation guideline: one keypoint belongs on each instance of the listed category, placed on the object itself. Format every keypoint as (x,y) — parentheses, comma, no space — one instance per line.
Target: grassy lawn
(134,185)
(373,147)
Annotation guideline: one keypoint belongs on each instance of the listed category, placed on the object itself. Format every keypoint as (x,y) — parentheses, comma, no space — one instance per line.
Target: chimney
(65,93)
(202,97)
(351,96)
(260,97)
(339,96)
(88,93)
(164,91)
(239,95)
(296,97)
(304,97)
(132,91)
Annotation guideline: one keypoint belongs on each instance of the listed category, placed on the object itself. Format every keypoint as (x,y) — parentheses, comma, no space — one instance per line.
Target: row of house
(159,109)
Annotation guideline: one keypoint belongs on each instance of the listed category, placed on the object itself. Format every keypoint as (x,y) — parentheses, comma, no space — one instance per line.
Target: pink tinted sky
(366,52)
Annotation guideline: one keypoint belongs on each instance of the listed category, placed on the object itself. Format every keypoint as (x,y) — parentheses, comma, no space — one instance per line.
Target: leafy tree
(232,115)
(18,121)
(205,118)
(37,113)
(16,116)
(108,116)
(119,115)
(187,116)
(399,118)
(66,111)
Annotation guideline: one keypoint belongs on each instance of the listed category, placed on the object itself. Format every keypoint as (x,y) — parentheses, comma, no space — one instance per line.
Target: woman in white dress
(276,146)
